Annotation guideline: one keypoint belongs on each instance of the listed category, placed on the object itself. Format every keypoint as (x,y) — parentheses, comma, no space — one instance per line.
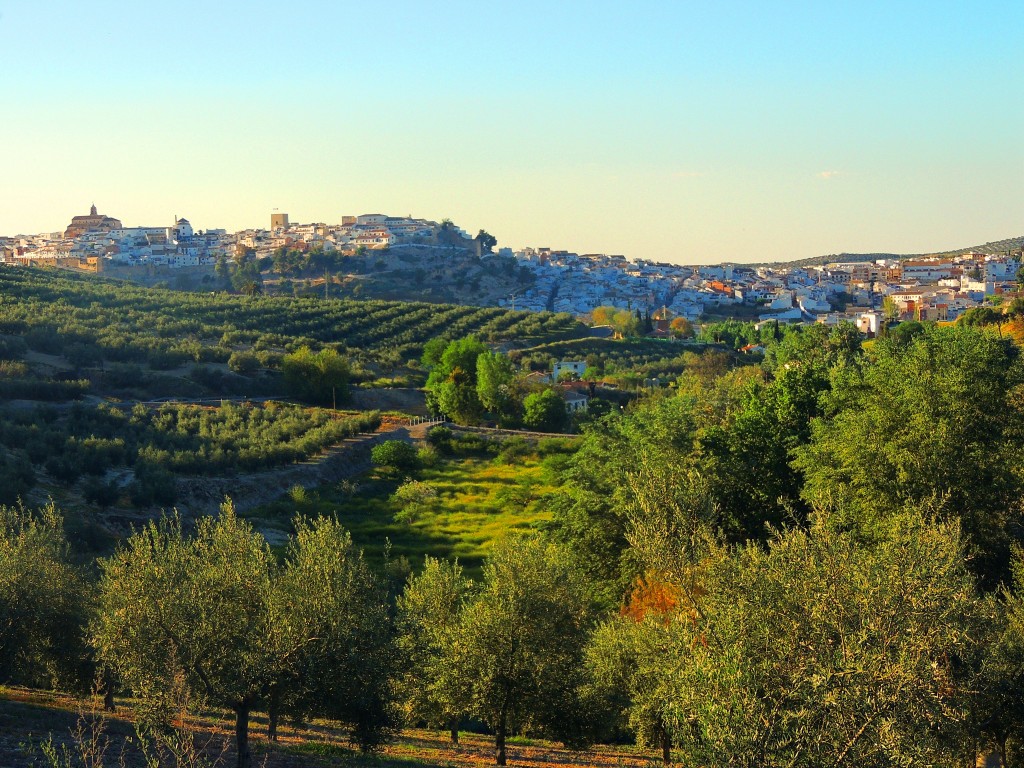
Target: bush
(100,493)
(317,377)
(66,467)
(16,478)
(544,411)
(243,362)
(153,485)
(298,494)
(414,498)
(166,359)
(440,438)
(12,348)
(396,454)
(514,450)
(428,456)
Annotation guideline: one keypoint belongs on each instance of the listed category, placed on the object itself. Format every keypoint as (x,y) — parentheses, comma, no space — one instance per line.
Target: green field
(479,497)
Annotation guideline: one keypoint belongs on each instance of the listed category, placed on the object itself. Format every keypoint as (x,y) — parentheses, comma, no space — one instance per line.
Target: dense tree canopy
(431,688)
(820,649)
(43,601)
(216,609)
(936,422)
(452,383)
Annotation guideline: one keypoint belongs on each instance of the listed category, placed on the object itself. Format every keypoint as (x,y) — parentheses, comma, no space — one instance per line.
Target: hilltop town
(386,255)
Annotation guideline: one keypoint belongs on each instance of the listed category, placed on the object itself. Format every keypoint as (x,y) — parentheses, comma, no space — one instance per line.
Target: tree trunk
(1002,753)
(499,741)
(453,731)
(666,747)
(273,715)
(108,696)
(242,736)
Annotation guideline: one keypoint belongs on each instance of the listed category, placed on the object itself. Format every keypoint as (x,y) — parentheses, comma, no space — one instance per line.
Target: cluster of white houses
(922,288)
(95,241)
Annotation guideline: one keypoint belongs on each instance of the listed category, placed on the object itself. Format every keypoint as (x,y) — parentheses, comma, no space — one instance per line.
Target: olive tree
(216,611)
(822,648)
(430,686)
(1000,705)
(43,600)
(198,606)
(319,377)
(518,648)
(336,651)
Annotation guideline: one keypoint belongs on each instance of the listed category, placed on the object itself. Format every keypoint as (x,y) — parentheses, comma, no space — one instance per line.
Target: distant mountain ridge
(996,246)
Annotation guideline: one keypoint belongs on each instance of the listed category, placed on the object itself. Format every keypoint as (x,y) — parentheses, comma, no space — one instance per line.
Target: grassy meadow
(478,490)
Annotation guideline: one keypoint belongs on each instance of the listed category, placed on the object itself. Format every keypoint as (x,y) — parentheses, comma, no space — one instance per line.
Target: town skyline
(429,256)
(198,225)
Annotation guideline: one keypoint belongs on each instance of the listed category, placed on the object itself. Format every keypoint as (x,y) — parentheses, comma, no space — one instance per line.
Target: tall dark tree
(487,241)
(452,383)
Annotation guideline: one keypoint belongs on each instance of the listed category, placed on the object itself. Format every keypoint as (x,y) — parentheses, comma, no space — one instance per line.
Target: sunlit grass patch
(476,500)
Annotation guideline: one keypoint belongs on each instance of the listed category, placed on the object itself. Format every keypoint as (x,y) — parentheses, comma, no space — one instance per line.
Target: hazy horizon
(683,133)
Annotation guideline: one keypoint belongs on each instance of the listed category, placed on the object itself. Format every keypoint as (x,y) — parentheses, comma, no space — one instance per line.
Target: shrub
(153,485)
(12,348)
(396,454)
(440,438)
(318,377)
(428,456)
(100,493)
(297,494)
(414,497)
(243,362)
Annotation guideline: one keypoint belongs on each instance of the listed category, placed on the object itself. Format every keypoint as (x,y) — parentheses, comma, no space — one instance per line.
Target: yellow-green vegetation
(480,491)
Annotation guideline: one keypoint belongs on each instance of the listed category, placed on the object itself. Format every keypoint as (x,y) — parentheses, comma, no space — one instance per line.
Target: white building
(575,367)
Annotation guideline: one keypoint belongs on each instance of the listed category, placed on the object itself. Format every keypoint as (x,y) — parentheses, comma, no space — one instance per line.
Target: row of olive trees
(828,645)
(310,634)
(92,322)
(88,441)
(214,611)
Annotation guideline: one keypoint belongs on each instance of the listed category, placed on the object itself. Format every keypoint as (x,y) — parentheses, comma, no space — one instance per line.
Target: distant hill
(997,246)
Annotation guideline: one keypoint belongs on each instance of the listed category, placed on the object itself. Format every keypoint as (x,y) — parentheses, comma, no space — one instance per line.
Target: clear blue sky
(682,131)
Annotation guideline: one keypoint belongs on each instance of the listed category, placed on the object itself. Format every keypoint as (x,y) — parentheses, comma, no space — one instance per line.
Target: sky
(690,132)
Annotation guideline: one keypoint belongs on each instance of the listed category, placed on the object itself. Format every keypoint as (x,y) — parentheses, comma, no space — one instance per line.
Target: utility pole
(325,285)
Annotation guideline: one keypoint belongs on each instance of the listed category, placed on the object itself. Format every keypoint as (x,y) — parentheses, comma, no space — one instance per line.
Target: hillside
(437,272)
(83,323)
(996,246)
(419,273)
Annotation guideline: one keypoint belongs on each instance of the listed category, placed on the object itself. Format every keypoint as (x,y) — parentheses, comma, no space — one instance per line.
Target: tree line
(469,381)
